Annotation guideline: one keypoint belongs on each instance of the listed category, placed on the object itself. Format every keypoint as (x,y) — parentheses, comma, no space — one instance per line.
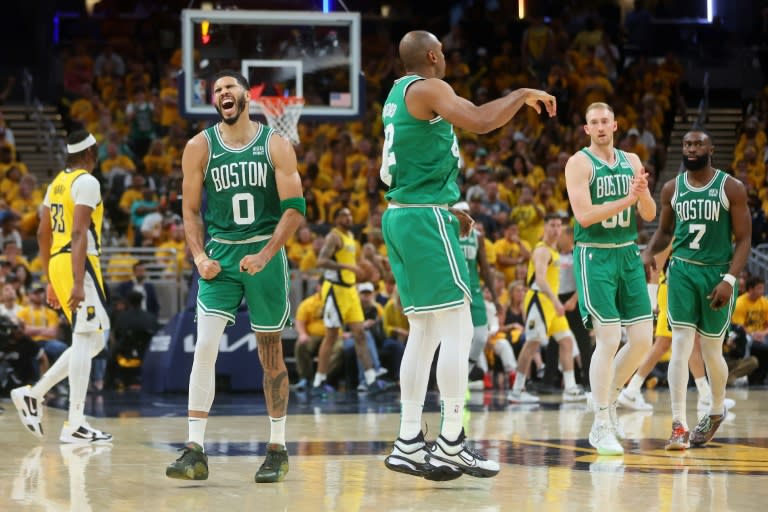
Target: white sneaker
(603,438)
(634,401)
(30,410)
(618,430)
(574,394)
(522,397)
(456,454)
(410,457)
(705,402)
(84,434)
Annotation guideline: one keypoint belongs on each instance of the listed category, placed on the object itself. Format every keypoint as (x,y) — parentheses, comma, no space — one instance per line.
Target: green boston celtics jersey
(241,193)
(422,157)
(702,221)
(609,183)
(470,246)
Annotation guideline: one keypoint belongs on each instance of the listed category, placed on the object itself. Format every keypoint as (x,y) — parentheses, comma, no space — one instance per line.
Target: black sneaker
(324,390)
(380,386)
(275,466)
(409,457)
(457,454)
(192,465)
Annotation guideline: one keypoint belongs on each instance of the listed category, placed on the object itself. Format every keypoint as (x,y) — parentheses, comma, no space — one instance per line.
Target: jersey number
(699,229)
(388,156)
(622,219)
(243,209)
(57,217)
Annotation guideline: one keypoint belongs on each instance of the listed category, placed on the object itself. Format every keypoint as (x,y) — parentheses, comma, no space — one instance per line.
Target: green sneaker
(192,465)
(275,466)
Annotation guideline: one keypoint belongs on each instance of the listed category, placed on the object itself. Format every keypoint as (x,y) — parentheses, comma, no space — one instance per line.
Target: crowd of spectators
(123,88)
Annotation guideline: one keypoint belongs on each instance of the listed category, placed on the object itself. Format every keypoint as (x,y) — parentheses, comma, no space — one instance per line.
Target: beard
(240,104)
(697,164)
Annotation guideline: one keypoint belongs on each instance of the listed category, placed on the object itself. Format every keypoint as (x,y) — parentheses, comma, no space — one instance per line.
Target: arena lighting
(709,11)
(326,6)
(521,9)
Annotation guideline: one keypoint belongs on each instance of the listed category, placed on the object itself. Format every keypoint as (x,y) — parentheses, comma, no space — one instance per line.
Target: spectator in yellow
(9,187)
(751,134)
(169,102)
(529,216)
(41,323)
(751,313)
(311,330)
(511,251)
(12,253)
(176,241)
(308,262)
(157,161)
(300,246)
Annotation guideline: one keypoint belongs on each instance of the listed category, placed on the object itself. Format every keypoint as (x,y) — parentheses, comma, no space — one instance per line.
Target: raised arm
(426,98)
(578,172)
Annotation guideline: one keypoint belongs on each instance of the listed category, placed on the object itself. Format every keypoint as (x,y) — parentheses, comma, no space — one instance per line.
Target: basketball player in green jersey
(606,187)
(420,163)
(703,210)
(473,247)
(254,204)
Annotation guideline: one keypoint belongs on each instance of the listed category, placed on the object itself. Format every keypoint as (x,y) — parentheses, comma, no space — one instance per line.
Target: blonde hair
(596,105)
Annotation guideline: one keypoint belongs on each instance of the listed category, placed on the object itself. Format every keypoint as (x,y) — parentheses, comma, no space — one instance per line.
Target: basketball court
(337,448)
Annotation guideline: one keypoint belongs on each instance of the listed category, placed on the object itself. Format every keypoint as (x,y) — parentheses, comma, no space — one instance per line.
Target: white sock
(319,379)
(202,378)
(370,376)
(569,379)
(410,419)
(702,385)
(277,430)
(197,430)
(717,370)
(677,375)
(635,384)
(84,346)
(607,339)
(452,414)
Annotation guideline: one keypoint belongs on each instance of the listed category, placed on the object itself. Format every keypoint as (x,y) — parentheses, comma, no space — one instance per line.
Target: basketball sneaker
(603,438)
(275,466)
(30,410)
(410,457)
(192,465)
(679,439)
(574,394)
(705,430)
(522,397)
(84,434)
(634,401)
(380,386)
(456,454)
(324,390)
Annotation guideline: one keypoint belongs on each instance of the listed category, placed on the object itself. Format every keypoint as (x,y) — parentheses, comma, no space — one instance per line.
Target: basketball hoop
(282,114)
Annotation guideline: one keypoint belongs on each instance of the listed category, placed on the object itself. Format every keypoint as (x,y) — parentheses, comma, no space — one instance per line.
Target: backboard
(286,53)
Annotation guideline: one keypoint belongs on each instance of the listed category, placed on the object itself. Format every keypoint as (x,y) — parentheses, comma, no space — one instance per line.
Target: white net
(283,114)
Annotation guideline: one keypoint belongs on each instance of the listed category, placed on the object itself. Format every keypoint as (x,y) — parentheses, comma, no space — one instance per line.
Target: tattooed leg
(275,373)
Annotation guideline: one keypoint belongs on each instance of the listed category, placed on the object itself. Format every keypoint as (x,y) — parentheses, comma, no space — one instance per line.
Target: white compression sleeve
(631,355)
(414,372)
(682,345)
(202,378)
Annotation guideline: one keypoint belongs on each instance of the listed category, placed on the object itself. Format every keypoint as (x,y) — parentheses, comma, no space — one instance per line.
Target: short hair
(234,74)
(753,281)
(75,137)
(596,105)
(553,216)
